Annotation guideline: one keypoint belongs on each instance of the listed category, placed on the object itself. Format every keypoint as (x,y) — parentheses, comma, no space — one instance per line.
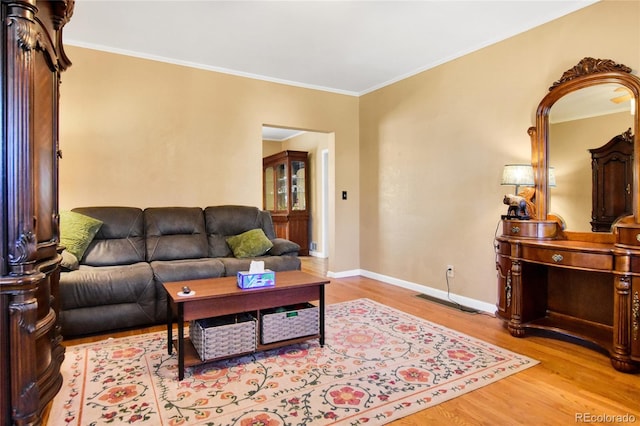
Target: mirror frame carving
(587,73)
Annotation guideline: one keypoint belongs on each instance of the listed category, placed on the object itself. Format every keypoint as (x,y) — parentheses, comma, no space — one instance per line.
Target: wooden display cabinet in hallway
(286,196)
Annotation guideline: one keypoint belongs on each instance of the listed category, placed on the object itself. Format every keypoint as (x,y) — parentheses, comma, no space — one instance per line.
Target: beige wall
(421,159)
(144,133)
(271,147)
(433,147)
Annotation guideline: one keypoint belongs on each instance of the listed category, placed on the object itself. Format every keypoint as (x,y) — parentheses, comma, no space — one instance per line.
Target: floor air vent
(448,303)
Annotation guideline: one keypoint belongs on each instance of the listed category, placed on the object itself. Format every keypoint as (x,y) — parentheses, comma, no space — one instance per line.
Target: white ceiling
(591,102)
(349,47)
(279,134)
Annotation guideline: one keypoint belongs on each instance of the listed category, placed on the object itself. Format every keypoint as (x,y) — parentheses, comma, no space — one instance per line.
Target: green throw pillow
(249,244)
(77,232)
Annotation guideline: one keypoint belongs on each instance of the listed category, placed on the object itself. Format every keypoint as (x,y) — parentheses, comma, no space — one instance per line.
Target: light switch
(344,195)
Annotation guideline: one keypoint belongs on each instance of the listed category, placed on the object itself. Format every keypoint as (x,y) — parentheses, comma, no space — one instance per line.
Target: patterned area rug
(378,364)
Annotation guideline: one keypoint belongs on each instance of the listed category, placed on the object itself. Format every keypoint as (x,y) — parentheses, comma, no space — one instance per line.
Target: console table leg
(515,322)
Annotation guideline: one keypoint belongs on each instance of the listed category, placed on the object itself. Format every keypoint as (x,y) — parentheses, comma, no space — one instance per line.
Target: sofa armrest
(282,246)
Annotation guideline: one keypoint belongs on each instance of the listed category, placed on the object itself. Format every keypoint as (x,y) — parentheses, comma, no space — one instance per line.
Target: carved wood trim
(21,40)
(507,289)
(635,315)
(589,66)
(540,198)
(627,136)
(25,398)
(515,323)
(62,13)
(621,320)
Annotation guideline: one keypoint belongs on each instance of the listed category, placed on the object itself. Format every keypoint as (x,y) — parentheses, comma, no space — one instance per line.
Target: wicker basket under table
(289,322)
(223,336)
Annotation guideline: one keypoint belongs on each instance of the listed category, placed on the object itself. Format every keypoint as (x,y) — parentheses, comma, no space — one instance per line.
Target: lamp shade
(517,174)
(522,175)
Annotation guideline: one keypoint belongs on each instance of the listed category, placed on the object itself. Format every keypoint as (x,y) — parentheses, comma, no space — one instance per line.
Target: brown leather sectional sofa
(118,283)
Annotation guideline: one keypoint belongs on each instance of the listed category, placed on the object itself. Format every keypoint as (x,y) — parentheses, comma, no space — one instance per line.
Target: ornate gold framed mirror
(598,91)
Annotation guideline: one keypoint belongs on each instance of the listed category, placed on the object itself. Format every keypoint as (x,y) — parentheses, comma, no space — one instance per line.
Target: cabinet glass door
(269,188)
(298,196)
(281,186)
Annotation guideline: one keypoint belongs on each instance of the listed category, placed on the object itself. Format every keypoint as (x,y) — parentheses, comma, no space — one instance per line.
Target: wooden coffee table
(221,296)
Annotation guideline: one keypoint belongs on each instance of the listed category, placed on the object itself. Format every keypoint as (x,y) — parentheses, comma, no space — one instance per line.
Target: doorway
(277,139)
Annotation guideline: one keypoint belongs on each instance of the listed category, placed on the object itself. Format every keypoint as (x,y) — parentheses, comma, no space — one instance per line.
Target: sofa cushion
(120,240)
(188,269)
(175,233)
(77,231)
(276,263)
(249,244)
(96,319)
(226,221)
(94,299)
(165,271)
(107,285)
(283,247)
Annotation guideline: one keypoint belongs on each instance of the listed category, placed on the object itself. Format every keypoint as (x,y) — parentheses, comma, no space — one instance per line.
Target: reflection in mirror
(579,121)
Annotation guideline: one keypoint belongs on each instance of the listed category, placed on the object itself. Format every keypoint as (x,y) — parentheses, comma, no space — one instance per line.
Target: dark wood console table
(585,288)
(584,285)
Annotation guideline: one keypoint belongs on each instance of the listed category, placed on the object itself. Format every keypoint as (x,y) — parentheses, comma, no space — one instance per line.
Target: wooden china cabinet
(582,285)
(285,180)
(31,353)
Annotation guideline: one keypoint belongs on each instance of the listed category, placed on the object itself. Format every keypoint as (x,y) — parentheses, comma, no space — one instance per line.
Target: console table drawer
(529,229)
(503,248)
(568,258)
(628,236)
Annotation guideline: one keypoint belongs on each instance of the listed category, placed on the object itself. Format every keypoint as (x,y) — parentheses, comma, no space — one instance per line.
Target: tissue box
(255,280)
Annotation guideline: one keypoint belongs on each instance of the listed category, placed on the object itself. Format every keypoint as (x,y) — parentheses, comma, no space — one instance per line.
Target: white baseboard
(344,274)
(429,291)
(317,254)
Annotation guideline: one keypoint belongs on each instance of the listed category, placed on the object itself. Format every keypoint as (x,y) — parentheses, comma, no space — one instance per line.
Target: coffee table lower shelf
(192,358)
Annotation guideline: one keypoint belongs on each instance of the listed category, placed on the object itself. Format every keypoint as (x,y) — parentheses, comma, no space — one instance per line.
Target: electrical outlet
(450,272)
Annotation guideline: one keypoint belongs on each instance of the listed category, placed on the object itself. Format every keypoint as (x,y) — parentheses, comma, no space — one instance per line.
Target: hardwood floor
(572,384)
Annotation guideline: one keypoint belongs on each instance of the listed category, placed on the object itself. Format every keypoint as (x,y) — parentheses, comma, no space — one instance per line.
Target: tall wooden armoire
(612,171)
(32,59)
